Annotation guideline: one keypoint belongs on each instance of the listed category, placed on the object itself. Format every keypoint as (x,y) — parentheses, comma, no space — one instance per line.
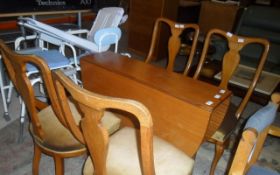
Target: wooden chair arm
(274,130)
(275,97)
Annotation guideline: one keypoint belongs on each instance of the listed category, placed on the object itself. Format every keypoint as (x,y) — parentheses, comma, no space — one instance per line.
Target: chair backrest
(174,42)
(106,37)
(231,60)
(106,17)
(91,132)
(254,135)
(16,66)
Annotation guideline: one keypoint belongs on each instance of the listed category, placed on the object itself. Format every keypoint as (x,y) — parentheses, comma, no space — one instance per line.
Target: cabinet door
(141,21)
(216,15)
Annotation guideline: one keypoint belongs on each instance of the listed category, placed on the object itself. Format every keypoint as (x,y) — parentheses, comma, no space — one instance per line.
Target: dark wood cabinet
(141,21)
(217,15)
(142,16)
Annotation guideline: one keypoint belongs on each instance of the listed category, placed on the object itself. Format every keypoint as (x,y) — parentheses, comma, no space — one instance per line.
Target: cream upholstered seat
(59,137)
(47,125)
(123,157)
(128,151)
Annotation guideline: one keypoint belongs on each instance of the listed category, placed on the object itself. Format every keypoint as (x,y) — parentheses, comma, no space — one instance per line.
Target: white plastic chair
(103,33)
(44,40)
(108,17)
(105,29)
(68,37)
(55,59)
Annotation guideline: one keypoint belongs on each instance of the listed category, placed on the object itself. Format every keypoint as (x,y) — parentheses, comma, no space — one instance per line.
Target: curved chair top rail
(174,42)
(232,59)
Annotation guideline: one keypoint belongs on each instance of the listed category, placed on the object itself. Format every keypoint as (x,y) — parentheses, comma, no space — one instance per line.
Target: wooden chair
(253,137)
(46,127)
(230,62)
(174,42)
(124,152)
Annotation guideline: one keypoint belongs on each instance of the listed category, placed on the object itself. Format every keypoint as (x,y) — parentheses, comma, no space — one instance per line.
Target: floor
(16,158)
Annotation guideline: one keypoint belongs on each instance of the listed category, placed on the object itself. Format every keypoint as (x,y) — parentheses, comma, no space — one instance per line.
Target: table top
(195,92)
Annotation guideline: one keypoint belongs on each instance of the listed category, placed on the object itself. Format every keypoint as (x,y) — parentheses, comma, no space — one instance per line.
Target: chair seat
(257,170)
(54,58)
(227,126)
(123,156)
(59,138)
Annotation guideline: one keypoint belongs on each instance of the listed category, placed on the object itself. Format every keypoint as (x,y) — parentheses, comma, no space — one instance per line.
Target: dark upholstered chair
(253,137)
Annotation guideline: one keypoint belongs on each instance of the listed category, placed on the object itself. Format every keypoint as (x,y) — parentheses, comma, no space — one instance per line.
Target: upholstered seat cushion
(57,137)
(256,170)
(54,58)
(123,156)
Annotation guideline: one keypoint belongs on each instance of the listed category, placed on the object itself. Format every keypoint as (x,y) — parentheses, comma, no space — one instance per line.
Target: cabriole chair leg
(219,150)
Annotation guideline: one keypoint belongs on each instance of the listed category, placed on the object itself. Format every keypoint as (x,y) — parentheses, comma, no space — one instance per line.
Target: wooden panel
(177,103)
(217,117)
(217,15)
(141,21)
